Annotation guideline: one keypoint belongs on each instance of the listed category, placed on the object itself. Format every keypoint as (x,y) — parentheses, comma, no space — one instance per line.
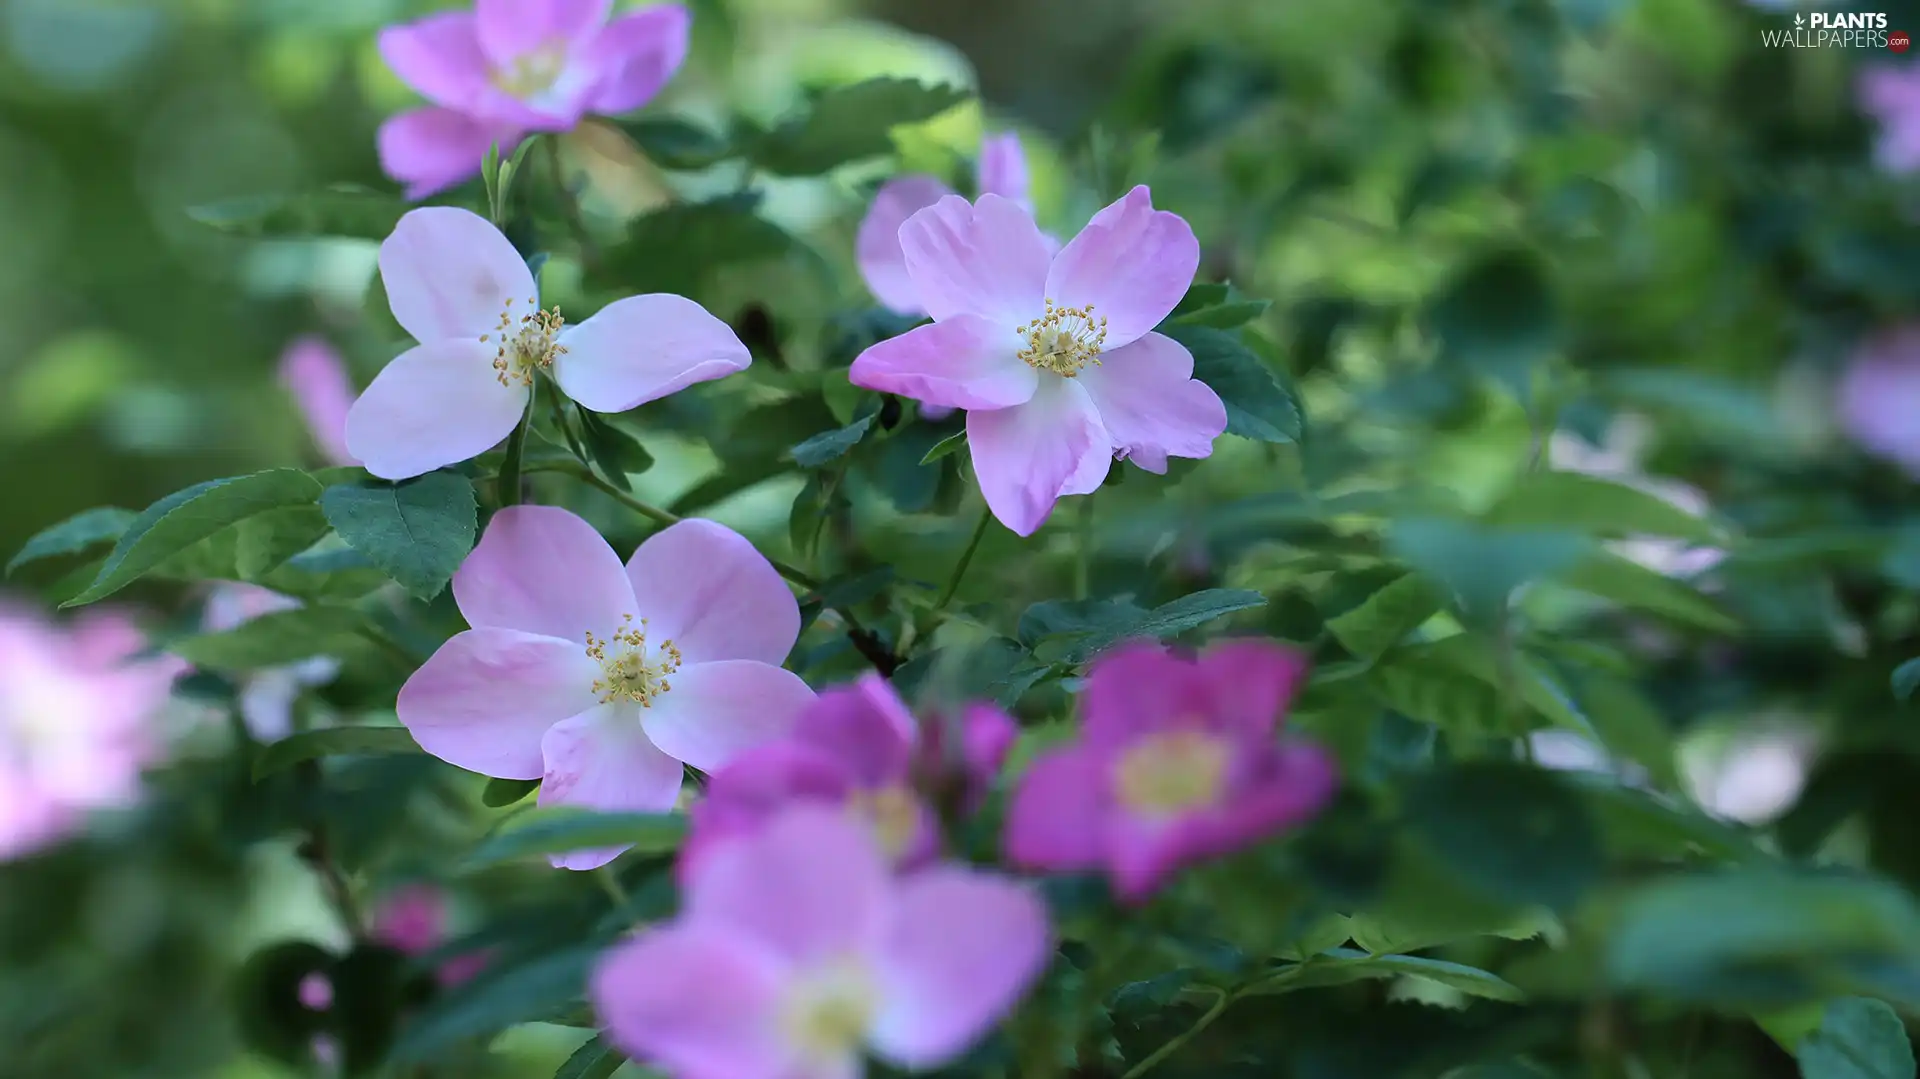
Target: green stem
(576,222)
(508,488)
(1173,1045)
(1083,549)
(966,559)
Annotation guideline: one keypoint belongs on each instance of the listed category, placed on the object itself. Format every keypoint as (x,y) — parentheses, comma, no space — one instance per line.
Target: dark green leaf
(1339,966)
(1075,632)
(676,144)
(184,518)
(498,999)
(1905,678)
(1573,501)
(1638,588)
(273,1021)
(945,446)
(1858,1038)
(1383,619)
(849,123)
(594,1060)
(1498,316)
(264,542)
(333,742)
(81,532)
(340,210)
(1196,609)
(1200,296)
(274,639)
(618,453)
(1518,834)
(1479,566)
(417,532)
(505,792)
(563,829)
(677,248)
(1225,316)
(1258,405)
(829,445)
(1386,934)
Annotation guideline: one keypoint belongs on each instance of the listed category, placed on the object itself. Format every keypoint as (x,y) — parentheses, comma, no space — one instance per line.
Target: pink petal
(960,362)
(987,737)
(809,886)
(1152,405)
(698,1000)
(1025,456)
(1251,682)
(1139,688)
(1143,854)
(876,248)
(316,377)
(1056,817)
(510,29)
(753,789)
(963,948)
(1089,475)
(717,711)
(1290,784)
(439,56)
(449,273)
(1132,263)
(866,726)
(707,589)
(1875,395)
(602,760)
(432,149)
(436,404)
(412,919)
(984,259)
(643,348)
(541,569)
(630,60)
(486,698)
(1003,169)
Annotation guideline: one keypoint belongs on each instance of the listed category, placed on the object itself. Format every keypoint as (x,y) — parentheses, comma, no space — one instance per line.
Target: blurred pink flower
(1619,461)
(1176,763)
(1876,398)
(413,920)
(511,67)
(1752,776)
(1891,95)
(267,695)
(316,377)
(456,284)
(600,679)
(796,948)
(316,992)
(76,709)
(1053,357)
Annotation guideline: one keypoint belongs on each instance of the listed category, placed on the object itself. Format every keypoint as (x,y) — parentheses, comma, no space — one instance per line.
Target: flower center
(828,1011)
(528,342)
(1172,773)
(630,669)
(533,73)
(1063,340)
(894,814)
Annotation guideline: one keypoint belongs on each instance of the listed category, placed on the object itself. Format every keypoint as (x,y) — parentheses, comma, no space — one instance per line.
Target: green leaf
(1077,631)
(1196,609)
(1200,296)
(1386,934)
(830,445)
(417,532)
(1573,501)
(676,144)
(1630,725)
(563,829)
(1225,316)
(274,639)
(81,532)
(1516,834)
(505,792)
(1905,678)
(340,210)
(1637,588)
(849,123)
(333,742)
(1481,567)
(945,446)
(1498,316)
(1383,619)
(1858,1038)
(264,542)
(1258,405)
(183,518)
(677,248)
(497,999)
(1340,966)
(594,1060)
(618,453)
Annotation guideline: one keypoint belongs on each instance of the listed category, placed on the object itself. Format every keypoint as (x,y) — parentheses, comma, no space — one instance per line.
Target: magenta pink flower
(317,379)
(1875,398)
(510,67)
(796,948)
(412,920)
(599,679)
(76,712)
(1053,358)
(1176,763)
(456,284)
(266,696)
(1891,95)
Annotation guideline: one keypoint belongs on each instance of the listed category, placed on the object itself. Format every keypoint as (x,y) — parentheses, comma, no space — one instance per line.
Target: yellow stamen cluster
(894,814)
(533,73)
(829,1011)
(1171,773)
(1063,340)
(532,340)
(630,673)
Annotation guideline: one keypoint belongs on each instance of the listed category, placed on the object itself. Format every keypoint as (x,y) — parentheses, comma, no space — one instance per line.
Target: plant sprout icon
(1799,21)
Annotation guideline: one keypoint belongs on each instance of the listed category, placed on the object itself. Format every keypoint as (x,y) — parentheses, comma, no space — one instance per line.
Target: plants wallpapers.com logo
(1838,29)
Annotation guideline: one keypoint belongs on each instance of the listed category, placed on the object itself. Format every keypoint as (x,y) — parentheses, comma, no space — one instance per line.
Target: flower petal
(541,569)
(643,348)
(1251,682)
(696,999)
(705,587)
(1138,688)
(266,703)
(717,711)
(487,696)
(316,377)
(1152,405)
(1132,262)
(634,56)
(1025,456)
(865,726)
(1003,169)
(883,265)
(983,259)
(1056,816)
(439,56)
(510,29)
(963,948)
(602,760)
(449,273)
(812,884)
(435,404)
(960,362)
(754,788)
(432,149)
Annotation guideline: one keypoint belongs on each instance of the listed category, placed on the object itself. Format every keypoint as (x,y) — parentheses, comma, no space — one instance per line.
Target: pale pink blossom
(1619,460)
(316,378)
(599,679)
(1053,357)
(511,67)
(1877,394)
(77,707)
(796,948)
(456,284)
(1753,774)
(1891,95)
(266,697)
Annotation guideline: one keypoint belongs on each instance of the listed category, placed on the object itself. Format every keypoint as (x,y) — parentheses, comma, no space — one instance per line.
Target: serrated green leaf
(1574,501)
(341,210)
(184,518)
(1383,619)
(1259,406)
(1858,1038)
(265,541)
(505,792)
(274,639)
(1340,966)
(1076,632)
(417,532)
(564,829)
(333,742)
(677,144)
(1637,588)
(829,445)
(594,1060)
(945,446)
(1225,316)
(618,453)
(1387,934)
(849,123)
(677,248)
(81,532)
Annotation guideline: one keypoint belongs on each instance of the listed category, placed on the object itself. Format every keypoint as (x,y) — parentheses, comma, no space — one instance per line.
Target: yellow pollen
(1171,773)
(1063,340)
(894,814)
(628,670)
(533,73)
(530,341)
(828,1011)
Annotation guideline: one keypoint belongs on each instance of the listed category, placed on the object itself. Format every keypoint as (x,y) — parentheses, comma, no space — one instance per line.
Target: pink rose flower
(316,378)
(75,721)
(456,284)
(266,696)
(1891,95)
(601,679)
(412,920)
(510,67)
(796,948)
(1875,397)
(1053,357)
(1176,764)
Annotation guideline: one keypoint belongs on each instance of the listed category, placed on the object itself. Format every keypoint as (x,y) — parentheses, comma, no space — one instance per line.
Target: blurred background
(1716,237)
